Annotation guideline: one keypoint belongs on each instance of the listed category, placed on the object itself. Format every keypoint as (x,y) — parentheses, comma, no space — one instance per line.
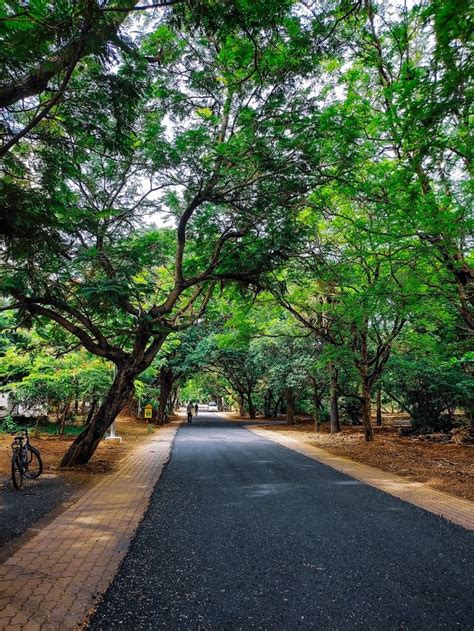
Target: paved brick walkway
(54,579)
(452,508)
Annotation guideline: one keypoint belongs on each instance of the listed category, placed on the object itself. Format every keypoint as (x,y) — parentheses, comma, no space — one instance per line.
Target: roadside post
(112,436)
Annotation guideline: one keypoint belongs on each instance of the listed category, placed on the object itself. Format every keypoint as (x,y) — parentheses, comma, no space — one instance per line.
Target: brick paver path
(448,506)
(54,579)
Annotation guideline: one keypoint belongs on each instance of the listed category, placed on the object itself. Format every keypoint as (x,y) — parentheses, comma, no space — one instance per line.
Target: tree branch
(98,32)
(143,7)
(113,354)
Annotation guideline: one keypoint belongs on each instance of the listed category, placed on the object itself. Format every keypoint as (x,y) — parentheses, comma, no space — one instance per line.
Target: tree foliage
(162,161)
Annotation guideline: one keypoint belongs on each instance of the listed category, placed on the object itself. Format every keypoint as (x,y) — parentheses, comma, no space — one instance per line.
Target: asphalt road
(242,533)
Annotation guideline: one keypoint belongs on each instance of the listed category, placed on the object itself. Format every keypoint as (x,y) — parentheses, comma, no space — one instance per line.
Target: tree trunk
(173,400)
(63,418)
(170,402)
(117,398)
(290,406)
(277,407)
(367,412)
(335,425)
(379,407)
(317,405)
(220,404)
(267,404)
(362,366)
(166,383)
(252,412)
(240,398)
(90,414)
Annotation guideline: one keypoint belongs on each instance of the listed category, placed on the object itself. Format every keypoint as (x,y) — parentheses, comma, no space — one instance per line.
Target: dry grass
(449,468)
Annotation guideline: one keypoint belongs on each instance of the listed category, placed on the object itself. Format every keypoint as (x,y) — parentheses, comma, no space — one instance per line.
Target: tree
(287,358)
(42,377)
(121,290)
(412,68)
(320,152)
(430,389)
(355,296)
(44,44)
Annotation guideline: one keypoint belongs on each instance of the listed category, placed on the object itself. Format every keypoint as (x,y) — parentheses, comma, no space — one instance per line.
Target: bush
(8,425)
(351,410)
(324,414)
(429,391)
(52,429)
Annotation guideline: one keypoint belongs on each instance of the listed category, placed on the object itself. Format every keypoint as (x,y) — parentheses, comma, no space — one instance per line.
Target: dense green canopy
(268,201)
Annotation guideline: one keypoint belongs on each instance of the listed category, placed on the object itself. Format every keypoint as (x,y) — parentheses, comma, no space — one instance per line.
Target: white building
(8,407)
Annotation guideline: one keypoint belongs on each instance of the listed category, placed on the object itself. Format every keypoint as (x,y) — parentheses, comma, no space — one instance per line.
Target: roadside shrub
(8,425)
(351,410)
(430,392)
(324,414)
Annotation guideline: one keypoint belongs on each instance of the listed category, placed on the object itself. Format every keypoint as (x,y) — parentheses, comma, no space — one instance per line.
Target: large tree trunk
(290,406)
(220,404)
(166,384)
(334,423)
(252,412)
(267,403)
(117,398)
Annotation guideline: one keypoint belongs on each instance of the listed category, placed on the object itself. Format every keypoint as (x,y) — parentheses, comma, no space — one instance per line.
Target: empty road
(242,533)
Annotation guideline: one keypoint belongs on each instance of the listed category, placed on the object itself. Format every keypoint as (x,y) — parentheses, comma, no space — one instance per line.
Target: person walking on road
(196,409)
(189,410)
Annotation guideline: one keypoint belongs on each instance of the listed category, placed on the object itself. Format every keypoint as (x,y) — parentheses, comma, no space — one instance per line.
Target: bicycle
(26,460)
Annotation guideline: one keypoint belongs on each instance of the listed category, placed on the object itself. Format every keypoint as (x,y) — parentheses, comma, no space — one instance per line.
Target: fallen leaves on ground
(104,460)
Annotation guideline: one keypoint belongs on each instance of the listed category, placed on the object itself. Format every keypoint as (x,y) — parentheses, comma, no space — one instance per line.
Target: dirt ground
(53,448)
(449,468)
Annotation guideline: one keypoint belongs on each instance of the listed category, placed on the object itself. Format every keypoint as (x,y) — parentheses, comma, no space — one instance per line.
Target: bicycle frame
(20,448)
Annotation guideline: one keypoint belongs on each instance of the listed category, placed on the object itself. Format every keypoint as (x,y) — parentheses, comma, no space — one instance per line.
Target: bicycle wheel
(17,473)
(33,465)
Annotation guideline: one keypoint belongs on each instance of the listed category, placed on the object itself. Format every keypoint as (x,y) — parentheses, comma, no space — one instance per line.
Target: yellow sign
(148,411)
